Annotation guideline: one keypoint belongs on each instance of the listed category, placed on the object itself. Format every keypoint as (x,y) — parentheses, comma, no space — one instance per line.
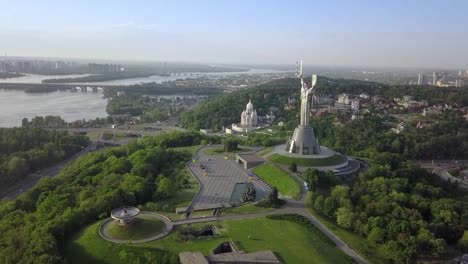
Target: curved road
(30,181)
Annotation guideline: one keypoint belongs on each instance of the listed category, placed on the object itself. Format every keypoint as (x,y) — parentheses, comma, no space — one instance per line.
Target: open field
(245,209)
(202,213)
(191,149)
(274,176)
(292,243)
(93,135)
(220,151)
(304,162)
(264,151)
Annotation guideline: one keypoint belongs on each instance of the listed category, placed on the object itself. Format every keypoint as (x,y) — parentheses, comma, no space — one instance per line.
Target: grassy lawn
(202,213)
(291,242)
(355,241)
(93,135)
(245,209)
(265,151)
(191,149)
(220,151)
(274,176)
(143,227)
(329,161)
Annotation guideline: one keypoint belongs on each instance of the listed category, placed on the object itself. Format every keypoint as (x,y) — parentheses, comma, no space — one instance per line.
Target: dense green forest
(136,101)
(144,107)
(25,150)
(403,210)
(226,109)
(35,226)
(59,122)
(444,139)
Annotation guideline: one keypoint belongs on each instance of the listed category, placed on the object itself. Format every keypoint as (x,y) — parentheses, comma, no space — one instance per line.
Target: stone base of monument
(323,153)
(303,142)
(326,160)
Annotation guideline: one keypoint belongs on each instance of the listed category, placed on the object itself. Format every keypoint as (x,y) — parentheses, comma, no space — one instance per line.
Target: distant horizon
(410,34)
(230,64)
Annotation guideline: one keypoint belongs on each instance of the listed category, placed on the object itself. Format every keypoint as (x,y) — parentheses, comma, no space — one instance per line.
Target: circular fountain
(125,215)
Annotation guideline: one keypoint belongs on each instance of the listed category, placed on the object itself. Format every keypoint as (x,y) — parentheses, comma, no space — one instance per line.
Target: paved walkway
(221,177)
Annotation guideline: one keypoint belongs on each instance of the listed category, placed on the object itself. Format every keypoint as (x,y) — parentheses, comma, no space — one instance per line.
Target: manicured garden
(274,176)
(307,162)
(291,241)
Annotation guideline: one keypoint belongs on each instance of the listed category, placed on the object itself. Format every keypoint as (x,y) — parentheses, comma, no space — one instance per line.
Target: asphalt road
(441,167)
(31,180)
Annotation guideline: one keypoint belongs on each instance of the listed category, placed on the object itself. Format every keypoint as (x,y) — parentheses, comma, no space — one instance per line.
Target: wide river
(15,105)
(34,78)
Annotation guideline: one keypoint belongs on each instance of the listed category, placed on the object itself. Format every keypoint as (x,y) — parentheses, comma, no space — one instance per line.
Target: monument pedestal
(303,142)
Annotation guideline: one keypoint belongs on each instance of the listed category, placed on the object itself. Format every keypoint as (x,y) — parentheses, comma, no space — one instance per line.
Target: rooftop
(266,257)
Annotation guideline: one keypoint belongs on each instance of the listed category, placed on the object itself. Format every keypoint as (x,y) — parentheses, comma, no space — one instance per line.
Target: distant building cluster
(104,68)
(34,66)
(408,103)
(440,79)
(346,107)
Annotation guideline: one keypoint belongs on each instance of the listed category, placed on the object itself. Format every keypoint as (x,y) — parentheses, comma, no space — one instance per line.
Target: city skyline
(396,34)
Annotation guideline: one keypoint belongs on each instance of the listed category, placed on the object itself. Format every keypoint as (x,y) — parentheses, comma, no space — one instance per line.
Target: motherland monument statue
(303,141)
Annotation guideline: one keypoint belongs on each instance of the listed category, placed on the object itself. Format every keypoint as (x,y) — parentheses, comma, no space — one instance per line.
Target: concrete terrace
(221,177)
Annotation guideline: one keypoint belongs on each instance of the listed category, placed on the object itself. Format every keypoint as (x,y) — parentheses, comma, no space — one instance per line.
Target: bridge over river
(52,87)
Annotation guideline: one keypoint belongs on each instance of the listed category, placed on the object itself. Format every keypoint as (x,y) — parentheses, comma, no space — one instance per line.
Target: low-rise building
(399,128)
(431,111)
(410,104)
(344,99)
(364,96)
(266,257)
(355,104)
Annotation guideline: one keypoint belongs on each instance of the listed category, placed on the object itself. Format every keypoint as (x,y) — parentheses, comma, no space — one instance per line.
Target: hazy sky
(413,33)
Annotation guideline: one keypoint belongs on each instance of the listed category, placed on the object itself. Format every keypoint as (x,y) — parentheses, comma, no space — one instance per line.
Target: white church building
(249,116)
(249,121)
